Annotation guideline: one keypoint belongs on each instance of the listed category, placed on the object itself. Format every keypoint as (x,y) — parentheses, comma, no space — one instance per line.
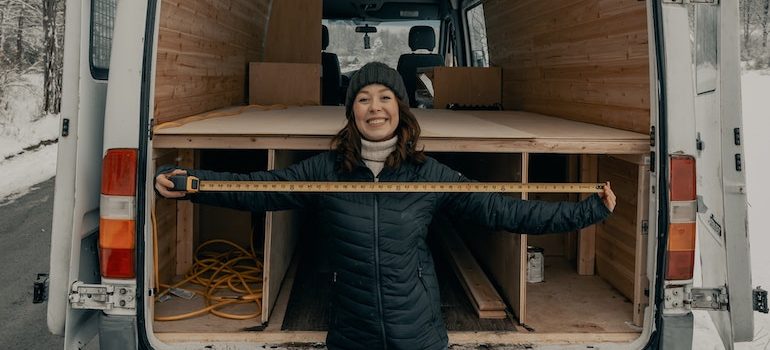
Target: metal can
(535,264)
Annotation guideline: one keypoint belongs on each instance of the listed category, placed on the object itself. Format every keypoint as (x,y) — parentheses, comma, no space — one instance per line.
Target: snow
(27,139)
(22,127)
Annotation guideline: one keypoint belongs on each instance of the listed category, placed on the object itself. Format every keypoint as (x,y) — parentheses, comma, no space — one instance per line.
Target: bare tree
(764,23)
(53,59)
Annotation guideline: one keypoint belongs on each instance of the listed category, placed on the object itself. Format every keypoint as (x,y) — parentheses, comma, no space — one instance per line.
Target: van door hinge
(714,299)
(760,300)
(40,289)
(102,296)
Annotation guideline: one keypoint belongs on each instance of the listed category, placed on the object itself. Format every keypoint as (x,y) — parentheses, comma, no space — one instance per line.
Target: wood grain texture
(584,60)
(294,32)
(480,291)
(204,48)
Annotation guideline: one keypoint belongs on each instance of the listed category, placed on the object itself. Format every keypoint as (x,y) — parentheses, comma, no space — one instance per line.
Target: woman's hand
(164,185)
(608,197)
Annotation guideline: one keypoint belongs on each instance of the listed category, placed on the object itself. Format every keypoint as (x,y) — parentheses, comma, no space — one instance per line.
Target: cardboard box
(291,84)
(466,86)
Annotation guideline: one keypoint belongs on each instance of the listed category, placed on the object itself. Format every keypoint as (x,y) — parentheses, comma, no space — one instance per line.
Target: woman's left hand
(608,197)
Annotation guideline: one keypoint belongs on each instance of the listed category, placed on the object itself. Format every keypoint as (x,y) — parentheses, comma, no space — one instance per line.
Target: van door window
(705,35)
(477,35)
(102,23)
(449,53)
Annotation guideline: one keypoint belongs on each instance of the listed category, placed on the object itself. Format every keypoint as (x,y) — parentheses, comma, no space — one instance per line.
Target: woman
(385,293)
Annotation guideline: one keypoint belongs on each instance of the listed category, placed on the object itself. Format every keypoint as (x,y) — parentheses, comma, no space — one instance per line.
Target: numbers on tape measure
(392,187)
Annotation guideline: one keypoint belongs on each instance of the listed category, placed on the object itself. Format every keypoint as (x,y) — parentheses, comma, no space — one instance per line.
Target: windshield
(387,45)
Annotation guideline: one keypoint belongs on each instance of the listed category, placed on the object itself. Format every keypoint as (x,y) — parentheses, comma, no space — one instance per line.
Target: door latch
(40,289)
(760,300)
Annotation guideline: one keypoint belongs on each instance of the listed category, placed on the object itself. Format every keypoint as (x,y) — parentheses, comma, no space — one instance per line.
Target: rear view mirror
(366,29)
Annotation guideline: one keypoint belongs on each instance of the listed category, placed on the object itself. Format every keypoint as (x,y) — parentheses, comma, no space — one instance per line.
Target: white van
(645,94)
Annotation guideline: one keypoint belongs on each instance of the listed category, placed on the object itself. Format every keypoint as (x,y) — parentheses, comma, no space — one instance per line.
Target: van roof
(388,10)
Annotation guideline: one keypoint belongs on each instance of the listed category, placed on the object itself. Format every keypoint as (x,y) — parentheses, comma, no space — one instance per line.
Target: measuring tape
(192,184)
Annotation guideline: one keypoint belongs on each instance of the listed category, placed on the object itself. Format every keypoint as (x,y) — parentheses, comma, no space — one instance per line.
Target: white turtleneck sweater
(375,153)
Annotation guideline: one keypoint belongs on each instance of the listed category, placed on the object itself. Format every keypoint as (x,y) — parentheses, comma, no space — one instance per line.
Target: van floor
(564,303)
(308,308)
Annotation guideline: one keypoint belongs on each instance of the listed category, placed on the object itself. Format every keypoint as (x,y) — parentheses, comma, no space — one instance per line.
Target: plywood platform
(311,128)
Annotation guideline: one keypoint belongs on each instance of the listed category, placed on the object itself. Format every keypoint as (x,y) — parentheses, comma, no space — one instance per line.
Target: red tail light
(117,224)
(681,228)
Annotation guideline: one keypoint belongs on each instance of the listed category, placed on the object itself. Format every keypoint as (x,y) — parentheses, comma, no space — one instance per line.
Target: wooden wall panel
(282,232)
(294,32)
(204,48)
(617,237)
(585,60)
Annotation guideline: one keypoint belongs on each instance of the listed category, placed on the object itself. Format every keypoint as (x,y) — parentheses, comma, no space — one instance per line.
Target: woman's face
(376,112)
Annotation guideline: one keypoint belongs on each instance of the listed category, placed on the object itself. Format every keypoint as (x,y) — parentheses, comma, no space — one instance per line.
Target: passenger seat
(330,72)
(420,37)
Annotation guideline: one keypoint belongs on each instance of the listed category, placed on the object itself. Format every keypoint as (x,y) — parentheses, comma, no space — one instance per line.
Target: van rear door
(702,65)
(87,40)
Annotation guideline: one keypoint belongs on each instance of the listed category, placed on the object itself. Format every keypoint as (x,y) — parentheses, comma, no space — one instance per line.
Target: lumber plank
(482,294)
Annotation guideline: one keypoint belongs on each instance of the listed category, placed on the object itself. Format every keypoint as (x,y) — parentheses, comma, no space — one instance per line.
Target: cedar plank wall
(204,48)
(616,237)
(585,60)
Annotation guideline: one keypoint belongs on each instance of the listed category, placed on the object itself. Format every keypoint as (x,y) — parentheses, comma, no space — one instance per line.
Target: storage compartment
(575,92)
(296,279)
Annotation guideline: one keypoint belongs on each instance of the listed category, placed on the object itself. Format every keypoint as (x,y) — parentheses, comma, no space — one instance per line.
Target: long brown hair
(347,142)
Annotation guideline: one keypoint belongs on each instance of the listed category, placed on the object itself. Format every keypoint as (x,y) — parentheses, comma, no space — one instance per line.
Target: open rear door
(87,42)
(702,65)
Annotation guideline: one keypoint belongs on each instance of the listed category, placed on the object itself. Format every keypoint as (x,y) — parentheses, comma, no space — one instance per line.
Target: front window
(386,45)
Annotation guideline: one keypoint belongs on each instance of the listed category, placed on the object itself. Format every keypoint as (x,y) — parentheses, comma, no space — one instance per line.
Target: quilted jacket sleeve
(500,212)
(307,170)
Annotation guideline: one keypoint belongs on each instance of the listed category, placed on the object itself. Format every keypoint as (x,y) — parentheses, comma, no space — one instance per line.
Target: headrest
(324,37)
(422,37)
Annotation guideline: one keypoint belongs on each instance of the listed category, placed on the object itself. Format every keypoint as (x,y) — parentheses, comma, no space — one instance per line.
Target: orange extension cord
(236,270)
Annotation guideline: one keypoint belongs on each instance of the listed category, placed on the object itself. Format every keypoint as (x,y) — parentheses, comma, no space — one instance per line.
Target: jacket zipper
(427,290)
(377,269)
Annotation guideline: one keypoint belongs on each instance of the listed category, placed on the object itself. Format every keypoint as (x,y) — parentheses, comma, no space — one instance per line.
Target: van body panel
(78,175)
(733,186)
(121,116)
(703,99)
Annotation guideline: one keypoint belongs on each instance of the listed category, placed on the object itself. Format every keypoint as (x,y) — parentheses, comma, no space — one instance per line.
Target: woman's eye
(363,99)
(386,97)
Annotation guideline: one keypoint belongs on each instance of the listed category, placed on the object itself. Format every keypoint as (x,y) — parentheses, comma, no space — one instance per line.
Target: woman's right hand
(164,185)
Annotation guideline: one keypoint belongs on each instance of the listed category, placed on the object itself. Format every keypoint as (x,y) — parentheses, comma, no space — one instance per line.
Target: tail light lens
(117,222)
(681,228)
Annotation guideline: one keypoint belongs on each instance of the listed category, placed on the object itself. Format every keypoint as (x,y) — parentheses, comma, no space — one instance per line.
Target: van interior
(525,91)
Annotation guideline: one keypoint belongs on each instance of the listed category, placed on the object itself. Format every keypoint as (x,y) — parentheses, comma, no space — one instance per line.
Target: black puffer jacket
(385,294)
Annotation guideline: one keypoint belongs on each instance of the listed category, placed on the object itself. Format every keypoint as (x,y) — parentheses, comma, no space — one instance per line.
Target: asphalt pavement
(25,242)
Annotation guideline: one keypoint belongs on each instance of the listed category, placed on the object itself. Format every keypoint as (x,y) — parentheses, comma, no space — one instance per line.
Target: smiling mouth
(376,121)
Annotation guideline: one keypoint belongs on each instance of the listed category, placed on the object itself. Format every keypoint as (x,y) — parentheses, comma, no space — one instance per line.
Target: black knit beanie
(375,73)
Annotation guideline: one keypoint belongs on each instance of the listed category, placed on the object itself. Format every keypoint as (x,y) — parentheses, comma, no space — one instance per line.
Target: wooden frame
(283,130)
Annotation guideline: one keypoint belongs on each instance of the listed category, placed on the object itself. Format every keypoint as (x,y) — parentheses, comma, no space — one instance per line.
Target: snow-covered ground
(27,139)
(28,157)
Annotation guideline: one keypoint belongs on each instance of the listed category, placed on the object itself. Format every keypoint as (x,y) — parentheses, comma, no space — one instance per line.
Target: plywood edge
(276,317)
(455,338)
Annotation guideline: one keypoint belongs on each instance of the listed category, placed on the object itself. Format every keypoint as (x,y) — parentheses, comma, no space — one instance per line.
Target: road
(25,241)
